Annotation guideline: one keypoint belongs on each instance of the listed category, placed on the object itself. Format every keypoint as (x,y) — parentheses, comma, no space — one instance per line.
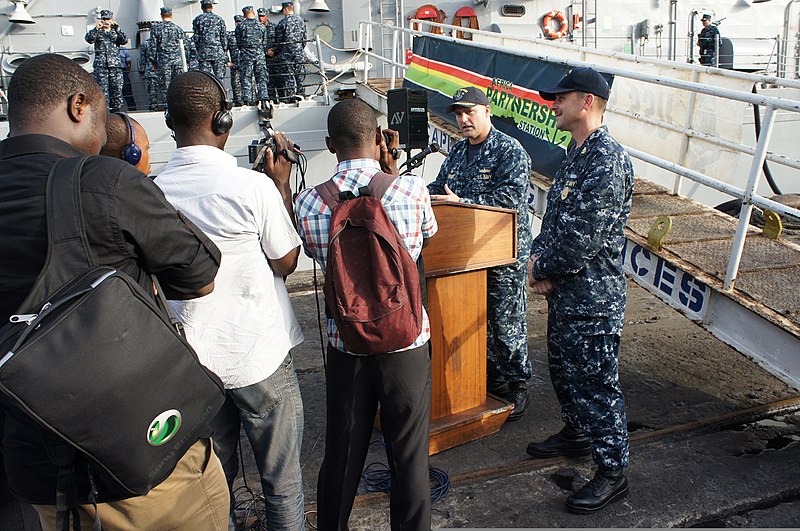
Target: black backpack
(100,362)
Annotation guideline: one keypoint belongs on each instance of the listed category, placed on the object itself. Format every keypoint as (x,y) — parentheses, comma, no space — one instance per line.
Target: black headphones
(131,153)
(222,121)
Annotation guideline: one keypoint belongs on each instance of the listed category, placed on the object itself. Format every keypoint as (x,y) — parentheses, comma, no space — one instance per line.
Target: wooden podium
(470,239)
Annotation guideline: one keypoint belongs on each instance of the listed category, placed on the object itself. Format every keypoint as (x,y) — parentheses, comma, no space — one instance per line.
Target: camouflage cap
(166,10)
(106,14)
(261,12)
(238,18)
(206,3)
(286,4)
(706,17)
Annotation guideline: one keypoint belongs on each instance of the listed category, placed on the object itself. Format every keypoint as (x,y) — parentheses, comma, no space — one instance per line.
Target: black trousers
(401,383)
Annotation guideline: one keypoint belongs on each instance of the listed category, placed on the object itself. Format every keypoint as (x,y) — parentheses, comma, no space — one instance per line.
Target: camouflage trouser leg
(217,68)
(236,85)
(507,337)
(274,80)
(585,374)
(286,86)
(153,92)
(167,73)
(262,79)
(300,78)
(246,68)
(101,76)
(115,82)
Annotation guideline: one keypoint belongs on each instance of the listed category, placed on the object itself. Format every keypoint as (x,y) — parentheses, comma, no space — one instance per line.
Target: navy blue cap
(247,9)
(238,18)
(106,14)
(261,12)
(581,79)
(166,10)
(287,4)
(468,97)
(206,3)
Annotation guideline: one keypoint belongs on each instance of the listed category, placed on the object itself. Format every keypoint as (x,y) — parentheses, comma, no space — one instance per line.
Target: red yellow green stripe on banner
(524,106)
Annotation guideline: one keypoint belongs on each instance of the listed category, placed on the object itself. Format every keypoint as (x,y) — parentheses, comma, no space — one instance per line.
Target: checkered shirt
(406,202)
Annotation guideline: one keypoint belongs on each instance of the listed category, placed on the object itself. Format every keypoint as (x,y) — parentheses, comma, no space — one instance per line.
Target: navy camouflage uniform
(166,38)
(236,83)
(107,65)
(707,40)
(498,176)
(147,66)
(250,37)
(580,250)
(290,36)
(211,41)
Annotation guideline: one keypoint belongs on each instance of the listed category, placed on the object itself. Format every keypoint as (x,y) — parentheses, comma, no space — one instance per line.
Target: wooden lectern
(470,239)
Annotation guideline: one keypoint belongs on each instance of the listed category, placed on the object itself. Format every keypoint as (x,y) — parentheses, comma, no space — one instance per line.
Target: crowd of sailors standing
(265,60)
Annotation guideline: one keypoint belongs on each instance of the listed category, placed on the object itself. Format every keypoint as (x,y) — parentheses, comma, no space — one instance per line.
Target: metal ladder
(588,12)
(389,14)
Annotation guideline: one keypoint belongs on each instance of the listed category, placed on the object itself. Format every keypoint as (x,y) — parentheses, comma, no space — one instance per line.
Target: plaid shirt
(406,201)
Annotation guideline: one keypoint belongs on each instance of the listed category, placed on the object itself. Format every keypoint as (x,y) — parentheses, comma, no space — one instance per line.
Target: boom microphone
(417,159)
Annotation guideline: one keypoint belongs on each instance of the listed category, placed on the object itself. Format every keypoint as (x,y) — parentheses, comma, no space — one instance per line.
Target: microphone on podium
(417,159)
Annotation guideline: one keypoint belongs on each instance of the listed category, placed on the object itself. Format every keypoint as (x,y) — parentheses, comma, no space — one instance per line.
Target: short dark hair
(352,123)
(118,136)
(44,82)
(192,97)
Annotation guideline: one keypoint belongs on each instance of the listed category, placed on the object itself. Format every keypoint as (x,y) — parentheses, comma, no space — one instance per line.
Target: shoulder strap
(379,183)
(329,193)
(68,252)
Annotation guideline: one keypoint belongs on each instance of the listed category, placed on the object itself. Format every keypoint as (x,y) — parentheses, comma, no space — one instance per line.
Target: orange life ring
(562,28)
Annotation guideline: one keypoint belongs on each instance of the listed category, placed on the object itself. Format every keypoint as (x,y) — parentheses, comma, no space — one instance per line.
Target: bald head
(118,135)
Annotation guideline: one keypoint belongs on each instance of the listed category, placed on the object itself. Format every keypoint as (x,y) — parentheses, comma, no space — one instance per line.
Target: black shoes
(517,395)
(497,385)
(606,487)
(567,442)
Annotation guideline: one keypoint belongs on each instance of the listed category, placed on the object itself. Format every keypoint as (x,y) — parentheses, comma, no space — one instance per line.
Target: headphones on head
(131,153)
(222,121)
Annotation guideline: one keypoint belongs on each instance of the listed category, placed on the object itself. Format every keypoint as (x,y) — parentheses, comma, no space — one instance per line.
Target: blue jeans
(271,412)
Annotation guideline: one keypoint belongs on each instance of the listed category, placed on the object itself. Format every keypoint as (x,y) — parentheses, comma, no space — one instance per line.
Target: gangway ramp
(760,316)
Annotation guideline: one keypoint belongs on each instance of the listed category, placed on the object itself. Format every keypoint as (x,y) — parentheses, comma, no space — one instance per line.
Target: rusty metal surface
(691,228)
(777,286)
(651,206)
(759,254)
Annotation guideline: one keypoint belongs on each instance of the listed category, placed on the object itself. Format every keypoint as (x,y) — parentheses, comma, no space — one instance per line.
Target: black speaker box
(408,115)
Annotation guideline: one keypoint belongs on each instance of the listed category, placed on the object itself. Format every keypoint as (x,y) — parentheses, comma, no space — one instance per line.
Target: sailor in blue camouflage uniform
(273,69)
(147,67)
(251,36)
(233,64)
(576,261)
(290,37)
(211,40)
(166,37)
(107,37)
(491,168)
(708,41)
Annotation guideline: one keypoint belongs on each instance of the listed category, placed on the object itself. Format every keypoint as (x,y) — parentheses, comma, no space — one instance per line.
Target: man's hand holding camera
(390,151)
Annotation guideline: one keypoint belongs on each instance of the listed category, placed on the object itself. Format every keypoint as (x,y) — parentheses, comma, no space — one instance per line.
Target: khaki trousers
(193,498)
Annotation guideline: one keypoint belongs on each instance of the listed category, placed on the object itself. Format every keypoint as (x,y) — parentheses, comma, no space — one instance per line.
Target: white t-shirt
(243,330)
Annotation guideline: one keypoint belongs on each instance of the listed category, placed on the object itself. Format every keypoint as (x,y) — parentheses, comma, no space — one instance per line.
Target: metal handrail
(747,195)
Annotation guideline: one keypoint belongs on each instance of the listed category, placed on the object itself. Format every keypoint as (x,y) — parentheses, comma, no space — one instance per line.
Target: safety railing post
(395,34)
(735,257)
(325,96)
(368,38)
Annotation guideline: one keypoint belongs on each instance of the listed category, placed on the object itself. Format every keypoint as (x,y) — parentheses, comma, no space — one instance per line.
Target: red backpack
(372,285)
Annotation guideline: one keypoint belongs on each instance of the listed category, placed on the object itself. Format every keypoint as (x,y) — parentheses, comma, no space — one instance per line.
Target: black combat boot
(567,442)
(517,395)
(497,385)
(606,486)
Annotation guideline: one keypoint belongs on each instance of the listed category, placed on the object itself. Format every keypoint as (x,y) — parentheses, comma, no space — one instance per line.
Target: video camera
(257,147)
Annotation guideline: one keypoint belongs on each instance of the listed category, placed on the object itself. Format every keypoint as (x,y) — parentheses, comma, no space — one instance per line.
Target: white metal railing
(747,195)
